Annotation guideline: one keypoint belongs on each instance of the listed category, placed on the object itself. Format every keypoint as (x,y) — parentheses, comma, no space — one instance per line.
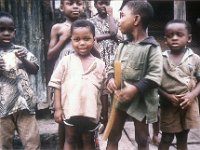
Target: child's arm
(171,97)
(30,66)
(2,65)
(112,27)
(58,115)
(60,35)
(189,97)
(104,110)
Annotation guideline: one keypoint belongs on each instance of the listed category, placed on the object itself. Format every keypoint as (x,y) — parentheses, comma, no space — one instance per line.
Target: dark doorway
(192,9)
(163,12)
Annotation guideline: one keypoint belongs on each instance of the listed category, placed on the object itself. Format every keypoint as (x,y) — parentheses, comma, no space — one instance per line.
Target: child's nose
(6,32)
(175,37)
(82,42)
(75,5)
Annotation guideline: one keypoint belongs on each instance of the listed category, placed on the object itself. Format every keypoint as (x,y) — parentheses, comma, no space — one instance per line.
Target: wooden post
(180,9)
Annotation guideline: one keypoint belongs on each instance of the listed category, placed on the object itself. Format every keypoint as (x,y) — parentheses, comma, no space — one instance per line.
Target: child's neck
(102,16)
(69,20)
(139,35)
(178,52)
(5,47)
(176,56)
(86,60)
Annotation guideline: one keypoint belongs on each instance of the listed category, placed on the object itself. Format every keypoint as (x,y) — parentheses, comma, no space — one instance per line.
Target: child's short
(174,120)
(82,124)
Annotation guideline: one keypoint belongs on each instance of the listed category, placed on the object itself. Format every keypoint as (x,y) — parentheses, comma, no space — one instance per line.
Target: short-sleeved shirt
(140,61)
(179,79)
(106,47)
(80,91)
(183,76)
(15,88)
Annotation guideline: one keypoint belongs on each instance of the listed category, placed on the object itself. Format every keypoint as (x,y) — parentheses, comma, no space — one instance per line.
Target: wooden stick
(118,76)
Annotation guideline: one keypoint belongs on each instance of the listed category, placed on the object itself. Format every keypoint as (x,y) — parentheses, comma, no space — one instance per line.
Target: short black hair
(61,1)
(83,23)
(143,8)
(86,23)
(6,14)
(95,1)
(186,23)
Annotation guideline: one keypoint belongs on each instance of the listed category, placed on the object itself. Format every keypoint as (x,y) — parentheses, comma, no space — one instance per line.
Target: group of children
(81,82)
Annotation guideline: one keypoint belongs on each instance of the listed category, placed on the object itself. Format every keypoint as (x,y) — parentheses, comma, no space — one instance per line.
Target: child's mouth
(6,40)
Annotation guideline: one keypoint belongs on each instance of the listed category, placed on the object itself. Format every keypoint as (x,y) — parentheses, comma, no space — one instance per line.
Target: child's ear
(137,19)
(61,8)
(165,40)
(189,38)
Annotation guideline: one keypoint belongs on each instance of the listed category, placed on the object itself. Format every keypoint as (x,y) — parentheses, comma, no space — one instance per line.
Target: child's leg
(27,128)
(70,138)
(88,141)
(116,131)
(156,131)
(166,141)
(142,134)
(182,140)
(61,135)
(7,130)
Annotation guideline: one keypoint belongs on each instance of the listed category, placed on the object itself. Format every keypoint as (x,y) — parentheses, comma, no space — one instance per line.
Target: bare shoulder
(61,28)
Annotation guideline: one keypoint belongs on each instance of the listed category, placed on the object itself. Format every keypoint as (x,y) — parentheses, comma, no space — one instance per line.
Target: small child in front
(16,100)
(180,86)
(141,61)
(78,80)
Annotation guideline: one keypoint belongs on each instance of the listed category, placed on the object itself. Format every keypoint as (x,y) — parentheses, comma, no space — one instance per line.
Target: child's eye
(80,3)
(180,34)
(75,39)
(68,3)
(9,29)
(87,39)
(121,15)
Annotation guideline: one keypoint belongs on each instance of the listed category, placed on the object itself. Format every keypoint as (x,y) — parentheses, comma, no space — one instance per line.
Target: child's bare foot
(155,140)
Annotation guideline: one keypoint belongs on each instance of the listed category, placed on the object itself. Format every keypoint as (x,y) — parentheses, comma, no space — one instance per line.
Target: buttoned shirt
(80,91)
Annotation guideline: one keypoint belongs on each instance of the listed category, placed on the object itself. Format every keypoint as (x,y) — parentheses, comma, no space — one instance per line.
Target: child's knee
(88,138)
(167,138)
(70,139)
(114,137)
(142,140)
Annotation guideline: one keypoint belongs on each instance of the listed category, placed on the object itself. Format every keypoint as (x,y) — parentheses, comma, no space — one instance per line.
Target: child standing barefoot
(141,61)
(180,86)
(17,106)
(78,81)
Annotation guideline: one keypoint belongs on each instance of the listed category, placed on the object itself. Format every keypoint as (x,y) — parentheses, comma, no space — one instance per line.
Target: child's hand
(127,93)
(21,54)
(59,116)
(174,99)
(185,100)
(2,65)
(111,86)
(109,10)
(104,119)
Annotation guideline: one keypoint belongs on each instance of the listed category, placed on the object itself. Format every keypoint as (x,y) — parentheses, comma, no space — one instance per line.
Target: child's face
(7,30)
(72,8)
(127,20)
(101,5)
(177,36)
(82,40)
